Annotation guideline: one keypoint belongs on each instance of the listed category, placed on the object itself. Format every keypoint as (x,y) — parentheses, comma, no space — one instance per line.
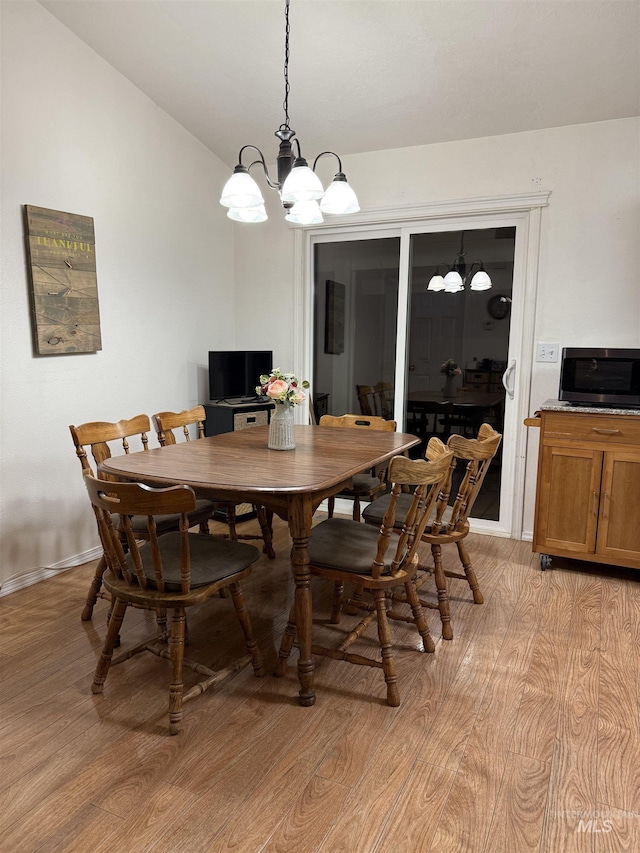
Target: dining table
(238,466)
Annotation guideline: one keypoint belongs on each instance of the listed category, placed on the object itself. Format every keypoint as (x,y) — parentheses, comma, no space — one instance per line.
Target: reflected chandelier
(301,191)
(457,276)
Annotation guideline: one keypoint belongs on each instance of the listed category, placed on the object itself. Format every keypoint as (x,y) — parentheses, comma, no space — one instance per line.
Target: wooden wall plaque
(64,285)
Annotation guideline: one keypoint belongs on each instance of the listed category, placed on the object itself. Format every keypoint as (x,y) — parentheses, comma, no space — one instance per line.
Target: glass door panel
(458,343)
(355,320)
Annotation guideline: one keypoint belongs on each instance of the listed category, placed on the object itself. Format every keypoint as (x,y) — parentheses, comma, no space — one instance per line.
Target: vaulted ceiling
(367,75)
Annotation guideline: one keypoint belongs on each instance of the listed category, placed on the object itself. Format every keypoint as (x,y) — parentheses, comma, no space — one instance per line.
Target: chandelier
(457,276)
(301,192)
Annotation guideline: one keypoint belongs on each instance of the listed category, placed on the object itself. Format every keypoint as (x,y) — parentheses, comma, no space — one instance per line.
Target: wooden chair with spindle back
(343,550)
(368,484)
(166,423)
(450,524)
(170,573)
(96,436)
(366,399)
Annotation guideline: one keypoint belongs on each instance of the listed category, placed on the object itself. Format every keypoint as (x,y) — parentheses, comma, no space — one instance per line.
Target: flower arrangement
(282,387)
(450,368)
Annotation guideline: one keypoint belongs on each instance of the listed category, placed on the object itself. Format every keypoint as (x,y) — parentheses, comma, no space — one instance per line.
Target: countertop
(558,406)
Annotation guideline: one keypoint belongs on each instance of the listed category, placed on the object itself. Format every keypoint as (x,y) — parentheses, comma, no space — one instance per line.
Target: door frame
(522,210)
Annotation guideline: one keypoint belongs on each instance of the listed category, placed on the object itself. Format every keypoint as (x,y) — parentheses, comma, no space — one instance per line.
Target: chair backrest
(383,393)
(96,435)
(366,398)
(425,478)
(166,422)
(477,453)
(358,422)
(127,500)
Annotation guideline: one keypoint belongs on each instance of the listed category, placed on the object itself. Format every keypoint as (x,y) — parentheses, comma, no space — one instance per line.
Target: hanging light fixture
(301,191)
(457,276)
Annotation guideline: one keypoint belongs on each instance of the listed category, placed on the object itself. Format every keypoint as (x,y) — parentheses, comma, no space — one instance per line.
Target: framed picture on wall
(64,287)
(334,318)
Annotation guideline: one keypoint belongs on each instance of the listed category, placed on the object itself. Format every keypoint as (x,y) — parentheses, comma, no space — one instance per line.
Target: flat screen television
(234,374)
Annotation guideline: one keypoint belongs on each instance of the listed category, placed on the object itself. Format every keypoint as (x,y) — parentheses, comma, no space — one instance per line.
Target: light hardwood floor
(521,734)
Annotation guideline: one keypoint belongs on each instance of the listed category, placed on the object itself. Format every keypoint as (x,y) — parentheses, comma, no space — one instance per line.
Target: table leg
(300,515)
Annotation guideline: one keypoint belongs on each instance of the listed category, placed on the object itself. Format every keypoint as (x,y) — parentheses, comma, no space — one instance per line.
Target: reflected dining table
(238,466)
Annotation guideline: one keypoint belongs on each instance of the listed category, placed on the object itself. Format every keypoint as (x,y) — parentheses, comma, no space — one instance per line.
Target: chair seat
(212,560)
(171,521)
(339,543)
(362,484)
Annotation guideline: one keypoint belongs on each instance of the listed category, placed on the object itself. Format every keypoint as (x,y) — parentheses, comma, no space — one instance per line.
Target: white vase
(281,430)
(448,389)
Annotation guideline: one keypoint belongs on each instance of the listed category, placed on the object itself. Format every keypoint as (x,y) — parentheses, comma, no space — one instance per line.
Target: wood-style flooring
(521,734)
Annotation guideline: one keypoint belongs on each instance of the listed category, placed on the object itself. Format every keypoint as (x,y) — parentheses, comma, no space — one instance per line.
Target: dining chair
(165,424)
(170,572)
(384,392)
(366,399)
(450,523)
(369,483)
(344,550)
(96,436)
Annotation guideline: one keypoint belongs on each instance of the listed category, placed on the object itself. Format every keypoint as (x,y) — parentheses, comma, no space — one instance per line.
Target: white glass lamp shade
(241,190)
(453,282)
(480,281)
(302,183)
(305,213)
(248,214)
(339,198)
(436,283)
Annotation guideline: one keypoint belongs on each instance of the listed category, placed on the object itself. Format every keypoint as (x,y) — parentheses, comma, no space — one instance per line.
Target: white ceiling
(367,75)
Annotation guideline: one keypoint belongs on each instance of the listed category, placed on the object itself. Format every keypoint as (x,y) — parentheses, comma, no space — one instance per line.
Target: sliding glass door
(381,337)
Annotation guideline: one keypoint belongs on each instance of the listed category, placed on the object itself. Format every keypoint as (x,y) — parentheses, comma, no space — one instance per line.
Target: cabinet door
(567,507)
(619,525)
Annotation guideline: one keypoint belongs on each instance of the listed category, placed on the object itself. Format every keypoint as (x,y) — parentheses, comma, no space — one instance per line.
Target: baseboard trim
(43,572)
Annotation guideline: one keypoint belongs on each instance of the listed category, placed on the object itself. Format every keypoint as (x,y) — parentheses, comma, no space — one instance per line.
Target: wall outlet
(547,352)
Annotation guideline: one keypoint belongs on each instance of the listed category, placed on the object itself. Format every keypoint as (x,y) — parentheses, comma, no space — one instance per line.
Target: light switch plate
(547,352)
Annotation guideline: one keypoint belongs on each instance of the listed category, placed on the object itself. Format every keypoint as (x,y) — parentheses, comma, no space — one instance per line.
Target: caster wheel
(545,562)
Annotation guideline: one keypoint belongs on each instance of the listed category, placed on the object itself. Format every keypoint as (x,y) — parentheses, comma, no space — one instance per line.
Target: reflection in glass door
(355,320)
(458,343)
(360,335)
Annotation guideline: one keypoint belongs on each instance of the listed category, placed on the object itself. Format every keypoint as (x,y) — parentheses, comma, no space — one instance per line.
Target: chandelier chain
(285,124)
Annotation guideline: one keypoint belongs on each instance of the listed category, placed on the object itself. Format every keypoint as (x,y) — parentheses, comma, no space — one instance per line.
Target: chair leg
(443,594)
(94,590)
(418,616)
(231,522)
(470,574)
(102,669)
(357,595)
(331,503)
(356,508)
(336,604)
(388,661)
(286,643)
(245,624)
(176,689)
(265,528)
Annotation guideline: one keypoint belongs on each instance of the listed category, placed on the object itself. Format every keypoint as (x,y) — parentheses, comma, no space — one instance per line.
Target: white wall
(588,291)
(78,137)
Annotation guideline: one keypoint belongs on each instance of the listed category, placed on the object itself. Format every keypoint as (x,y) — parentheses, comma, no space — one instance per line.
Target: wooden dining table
(238,466)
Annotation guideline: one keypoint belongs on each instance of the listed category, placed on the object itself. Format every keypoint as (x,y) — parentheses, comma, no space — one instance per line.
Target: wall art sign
(64,285)
(334,318)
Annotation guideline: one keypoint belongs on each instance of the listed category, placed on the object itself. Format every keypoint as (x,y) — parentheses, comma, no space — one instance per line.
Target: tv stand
(235,414)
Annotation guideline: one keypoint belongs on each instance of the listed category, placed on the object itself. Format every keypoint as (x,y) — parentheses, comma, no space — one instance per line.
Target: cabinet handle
(606,431)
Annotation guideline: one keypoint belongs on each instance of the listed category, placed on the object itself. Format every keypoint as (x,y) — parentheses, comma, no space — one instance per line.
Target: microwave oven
(600,377)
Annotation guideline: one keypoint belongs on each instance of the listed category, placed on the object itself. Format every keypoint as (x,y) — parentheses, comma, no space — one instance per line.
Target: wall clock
(498,306)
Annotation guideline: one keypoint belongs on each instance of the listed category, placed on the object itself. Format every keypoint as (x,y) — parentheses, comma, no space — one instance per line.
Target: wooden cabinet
(588,490)
(483,380)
